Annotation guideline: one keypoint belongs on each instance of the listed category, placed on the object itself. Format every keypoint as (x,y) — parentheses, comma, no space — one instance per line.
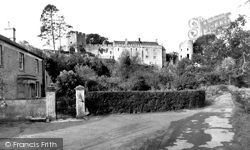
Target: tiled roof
(136,43)
(7,40)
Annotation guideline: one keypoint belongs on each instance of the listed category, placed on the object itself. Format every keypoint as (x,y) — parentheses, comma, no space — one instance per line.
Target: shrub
(186,81)
(136,102)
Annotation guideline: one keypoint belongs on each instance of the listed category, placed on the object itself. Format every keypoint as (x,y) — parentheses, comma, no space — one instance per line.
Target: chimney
(156,41)
(126,41)
(139,39)
(14,34)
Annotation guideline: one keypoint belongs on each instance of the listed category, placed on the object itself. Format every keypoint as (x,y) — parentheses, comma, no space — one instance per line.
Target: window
(37,66)
(118,49)
(146,56)
(181,49)
(1,56)
(37,89)
(188,56)
(110,52)
(187,49)
(181,56)
(154,57)
(21,61)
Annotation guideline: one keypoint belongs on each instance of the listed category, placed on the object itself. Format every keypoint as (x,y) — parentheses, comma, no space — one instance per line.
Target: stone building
(150,53)
(186,49)
(22,71)
(76,42)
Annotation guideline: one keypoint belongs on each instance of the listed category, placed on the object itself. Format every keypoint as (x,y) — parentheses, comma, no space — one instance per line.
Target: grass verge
(241,116)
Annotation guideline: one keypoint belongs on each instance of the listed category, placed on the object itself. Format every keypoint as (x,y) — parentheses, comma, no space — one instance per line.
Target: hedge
(101,102)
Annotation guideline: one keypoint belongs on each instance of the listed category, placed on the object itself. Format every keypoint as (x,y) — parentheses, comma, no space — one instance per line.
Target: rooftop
(9,41)
(137,43)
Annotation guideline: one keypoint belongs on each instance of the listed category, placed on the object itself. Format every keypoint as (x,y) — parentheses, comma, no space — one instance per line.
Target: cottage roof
(7,40)
(137,43)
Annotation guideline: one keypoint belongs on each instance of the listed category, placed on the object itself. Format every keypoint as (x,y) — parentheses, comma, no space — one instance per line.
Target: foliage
(183,66)
(227,69)
(31,48)
(186,81)
(140,84)
(203,41)
(54,64)
(96,39)
(58,62)
(84,72)
(53,25)
(66,83)
(139,102)
(127,64)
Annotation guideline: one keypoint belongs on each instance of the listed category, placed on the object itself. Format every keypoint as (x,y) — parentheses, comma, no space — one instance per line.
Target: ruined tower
(76,42)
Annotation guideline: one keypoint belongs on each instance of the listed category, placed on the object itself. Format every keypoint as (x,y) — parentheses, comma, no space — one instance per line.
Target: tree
(96,39)
(31,48)
(227,69)
(203,41)
(53,25)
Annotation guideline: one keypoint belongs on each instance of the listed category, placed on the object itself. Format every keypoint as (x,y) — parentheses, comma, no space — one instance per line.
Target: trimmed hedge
(139,102)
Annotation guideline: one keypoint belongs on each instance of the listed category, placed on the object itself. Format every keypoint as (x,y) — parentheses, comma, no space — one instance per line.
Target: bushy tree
(96,39)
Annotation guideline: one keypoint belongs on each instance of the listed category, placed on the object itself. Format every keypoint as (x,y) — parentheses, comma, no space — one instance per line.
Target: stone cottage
(22,71)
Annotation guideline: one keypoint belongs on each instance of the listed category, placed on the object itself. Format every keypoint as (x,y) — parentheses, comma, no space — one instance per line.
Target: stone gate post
(51,103)
(80,102)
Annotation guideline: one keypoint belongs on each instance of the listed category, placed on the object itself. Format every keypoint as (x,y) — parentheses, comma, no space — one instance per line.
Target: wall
(76,40)
(186,48)
(10,68)
(151,55)
(22,109)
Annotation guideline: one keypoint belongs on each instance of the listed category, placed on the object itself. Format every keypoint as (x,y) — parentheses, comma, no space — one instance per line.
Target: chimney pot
(126,41)
(139,39)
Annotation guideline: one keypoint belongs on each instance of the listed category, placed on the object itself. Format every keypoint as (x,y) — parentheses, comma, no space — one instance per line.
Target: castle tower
(186,49)
(76,42)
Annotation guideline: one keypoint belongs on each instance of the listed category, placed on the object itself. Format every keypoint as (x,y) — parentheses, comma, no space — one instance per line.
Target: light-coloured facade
(186,49)
(150,53)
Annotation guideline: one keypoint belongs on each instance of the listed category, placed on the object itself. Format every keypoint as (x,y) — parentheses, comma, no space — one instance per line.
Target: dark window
(181,56)
(21,61)
(37,66)
(187,49)
(188,56)
(37,89)
(1,56)
(154,57)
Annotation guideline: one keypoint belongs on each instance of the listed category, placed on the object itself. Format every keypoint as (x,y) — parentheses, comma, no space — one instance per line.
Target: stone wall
(23,109)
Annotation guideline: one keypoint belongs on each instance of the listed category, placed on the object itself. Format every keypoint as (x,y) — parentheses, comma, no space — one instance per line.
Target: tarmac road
(203,128)
(209,129)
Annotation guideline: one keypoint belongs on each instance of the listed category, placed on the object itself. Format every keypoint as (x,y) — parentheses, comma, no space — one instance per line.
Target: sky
(164,20)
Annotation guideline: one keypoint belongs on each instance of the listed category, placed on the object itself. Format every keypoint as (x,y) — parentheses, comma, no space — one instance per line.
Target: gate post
(80,102)
(51,103)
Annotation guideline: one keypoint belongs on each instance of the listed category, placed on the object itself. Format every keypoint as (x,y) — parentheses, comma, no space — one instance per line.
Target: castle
(150,53)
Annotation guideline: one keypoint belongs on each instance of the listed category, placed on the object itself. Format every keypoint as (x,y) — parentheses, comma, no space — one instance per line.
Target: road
(203,128)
